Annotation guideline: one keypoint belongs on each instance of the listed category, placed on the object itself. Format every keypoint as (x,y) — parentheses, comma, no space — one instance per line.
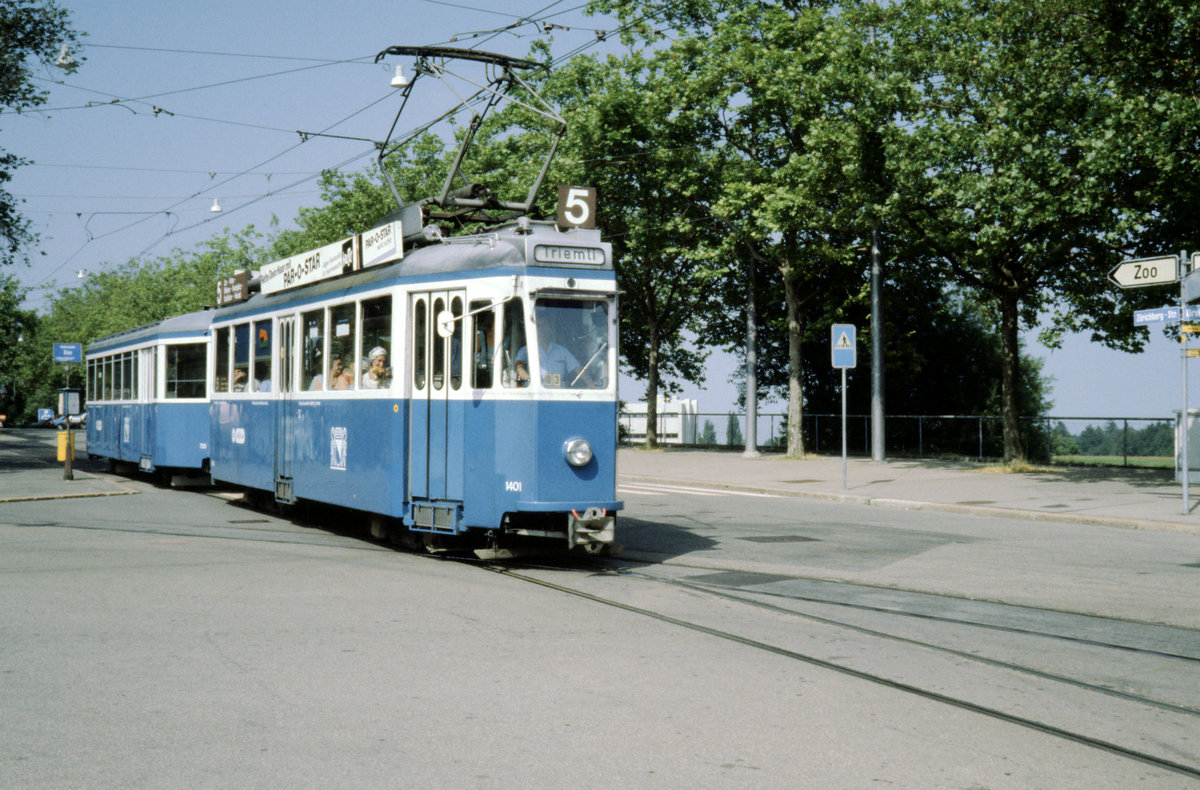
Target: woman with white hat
(378,376)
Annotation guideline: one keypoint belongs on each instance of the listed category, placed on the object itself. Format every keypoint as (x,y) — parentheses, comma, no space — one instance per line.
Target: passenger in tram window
(378,375)
(337,374)
(239,380)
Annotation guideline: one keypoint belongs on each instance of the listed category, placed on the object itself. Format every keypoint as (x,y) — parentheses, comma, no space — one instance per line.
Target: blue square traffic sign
(844,349)
(68,352)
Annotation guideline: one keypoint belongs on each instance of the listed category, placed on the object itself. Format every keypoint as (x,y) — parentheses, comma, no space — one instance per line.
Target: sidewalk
(1113,496)
(29,471)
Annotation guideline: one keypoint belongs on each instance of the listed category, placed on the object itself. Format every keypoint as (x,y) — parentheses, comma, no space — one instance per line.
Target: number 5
(576,207)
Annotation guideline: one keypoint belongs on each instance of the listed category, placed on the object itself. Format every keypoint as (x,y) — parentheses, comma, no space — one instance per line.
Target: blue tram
(467,389)
(147,395)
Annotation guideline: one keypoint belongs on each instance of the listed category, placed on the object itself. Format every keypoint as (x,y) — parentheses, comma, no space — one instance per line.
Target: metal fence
(918,435)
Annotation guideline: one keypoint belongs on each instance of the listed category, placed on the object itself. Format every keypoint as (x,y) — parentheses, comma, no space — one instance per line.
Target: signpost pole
(843,429)
(1184,438)
(844,346)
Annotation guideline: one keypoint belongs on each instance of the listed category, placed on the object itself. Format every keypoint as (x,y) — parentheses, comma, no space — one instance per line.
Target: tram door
(147,393)
(285,413)
(436,362)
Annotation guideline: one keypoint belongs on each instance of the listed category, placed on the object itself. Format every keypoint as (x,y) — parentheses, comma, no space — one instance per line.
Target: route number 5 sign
(576,207)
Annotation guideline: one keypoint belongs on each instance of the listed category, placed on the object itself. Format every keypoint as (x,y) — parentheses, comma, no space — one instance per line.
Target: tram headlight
(578,452)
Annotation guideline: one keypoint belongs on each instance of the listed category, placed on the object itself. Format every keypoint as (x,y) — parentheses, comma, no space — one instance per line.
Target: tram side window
(484,334)
(377,343)
(420,327)
(221,374)
(513,342)
(312,335)
(262,357)
(186,365)
(91,380)
(341,340)
(131,372)
(106,375)
(438,377)
(456,343)
(241,358)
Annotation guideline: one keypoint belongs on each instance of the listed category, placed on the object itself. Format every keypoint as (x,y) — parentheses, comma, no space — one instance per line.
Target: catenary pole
(751,450)
(877,433)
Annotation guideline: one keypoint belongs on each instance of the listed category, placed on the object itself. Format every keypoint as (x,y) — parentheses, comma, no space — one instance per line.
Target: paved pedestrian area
(1111,496)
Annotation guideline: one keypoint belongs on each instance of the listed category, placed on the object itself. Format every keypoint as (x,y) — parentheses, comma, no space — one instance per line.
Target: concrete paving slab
(1110,496)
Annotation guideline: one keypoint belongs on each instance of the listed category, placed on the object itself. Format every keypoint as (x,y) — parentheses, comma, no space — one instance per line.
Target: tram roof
(196,323)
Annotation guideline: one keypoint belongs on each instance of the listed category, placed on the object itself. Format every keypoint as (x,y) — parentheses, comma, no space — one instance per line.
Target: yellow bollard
(63,448)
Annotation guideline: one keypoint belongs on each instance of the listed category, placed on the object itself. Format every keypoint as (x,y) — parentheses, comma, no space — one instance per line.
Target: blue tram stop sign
(68,352)
(843,346)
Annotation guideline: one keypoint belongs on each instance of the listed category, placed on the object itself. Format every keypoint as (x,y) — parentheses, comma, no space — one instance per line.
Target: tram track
(1077,734)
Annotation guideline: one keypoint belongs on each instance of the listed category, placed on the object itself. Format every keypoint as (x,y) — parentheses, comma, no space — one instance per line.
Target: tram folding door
(436,448)
(285,410)
(144,451)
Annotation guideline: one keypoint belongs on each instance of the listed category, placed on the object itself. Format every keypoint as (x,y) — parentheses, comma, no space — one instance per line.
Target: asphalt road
(171,638)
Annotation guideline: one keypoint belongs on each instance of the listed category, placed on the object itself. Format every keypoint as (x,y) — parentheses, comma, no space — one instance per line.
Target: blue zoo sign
(68,352)
(844,349)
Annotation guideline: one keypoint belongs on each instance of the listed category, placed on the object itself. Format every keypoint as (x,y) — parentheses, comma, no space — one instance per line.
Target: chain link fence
(1128,441)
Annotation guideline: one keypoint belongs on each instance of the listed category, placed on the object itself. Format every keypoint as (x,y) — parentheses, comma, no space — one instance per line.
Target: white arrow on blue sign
(844,350)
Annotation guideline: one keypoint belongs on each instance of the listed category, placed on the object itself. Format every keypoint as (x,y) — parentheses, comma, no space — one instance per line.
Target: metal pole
(877,443)
(1183,414)
(751,450)
(843,428)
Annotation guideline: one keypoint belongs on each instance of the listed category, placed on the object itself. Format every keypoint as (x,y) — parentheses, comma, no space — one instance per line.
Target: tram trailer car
(467,390)
(147,395)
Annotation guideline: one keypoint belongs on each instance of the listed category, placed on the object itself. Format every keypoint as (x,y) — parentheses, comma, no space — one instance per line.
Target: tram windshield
(573,340)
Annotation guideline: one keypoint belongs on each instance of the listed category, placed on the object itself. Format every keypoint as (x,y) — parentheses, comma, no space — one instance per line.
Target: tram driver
(559,365)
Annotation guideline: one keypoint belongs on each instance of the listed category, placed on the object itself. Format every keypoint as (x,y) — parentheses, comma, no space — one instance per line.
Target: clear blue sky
(233,83)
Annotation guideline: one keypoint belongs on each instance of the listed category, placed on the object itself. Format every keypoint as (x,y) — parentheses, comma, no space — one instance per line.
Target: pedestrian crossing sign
(844,347)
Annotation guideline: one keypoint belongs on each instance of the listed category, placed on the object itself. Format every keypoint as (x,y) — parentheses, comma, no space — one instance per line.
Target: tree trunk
(795,412)
(652,391)
(1010,361)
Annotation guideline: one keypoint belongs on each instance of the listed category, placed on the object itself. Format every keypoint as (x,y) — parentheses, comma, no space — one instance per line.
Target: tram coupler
(593,529)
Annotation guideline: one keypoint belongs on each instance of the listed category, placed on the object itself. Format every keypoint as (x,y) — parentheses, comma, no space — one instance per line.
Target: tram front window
(572,336)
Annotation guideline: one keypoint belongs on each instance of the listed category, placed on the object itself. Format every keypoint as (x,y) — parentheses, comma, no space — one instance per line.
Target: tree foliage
(1156,440)
(111,300)
(656,188)
(16,326)
(32,36)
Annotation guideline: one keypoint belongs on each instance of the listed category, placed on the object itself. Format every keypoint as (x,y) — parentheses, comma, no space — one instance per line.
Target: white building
(676,420)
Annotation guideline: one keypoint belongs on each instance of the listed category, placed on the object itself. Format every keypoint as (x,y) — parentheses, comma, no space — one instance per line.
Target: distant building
(676,420)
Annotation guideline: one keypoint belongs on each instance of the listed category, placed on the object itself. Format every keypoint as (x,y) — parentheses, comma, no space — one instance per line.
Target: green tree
(1010,167)
(733,432)
(791,98)
(32,34)
(655,194)
(17,327)
(133,294)
(708,437)
(355,202)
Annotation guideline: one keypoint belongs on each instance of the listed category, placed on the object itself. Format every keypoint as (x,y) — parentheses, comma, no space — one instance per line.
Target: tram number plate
(576,207)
